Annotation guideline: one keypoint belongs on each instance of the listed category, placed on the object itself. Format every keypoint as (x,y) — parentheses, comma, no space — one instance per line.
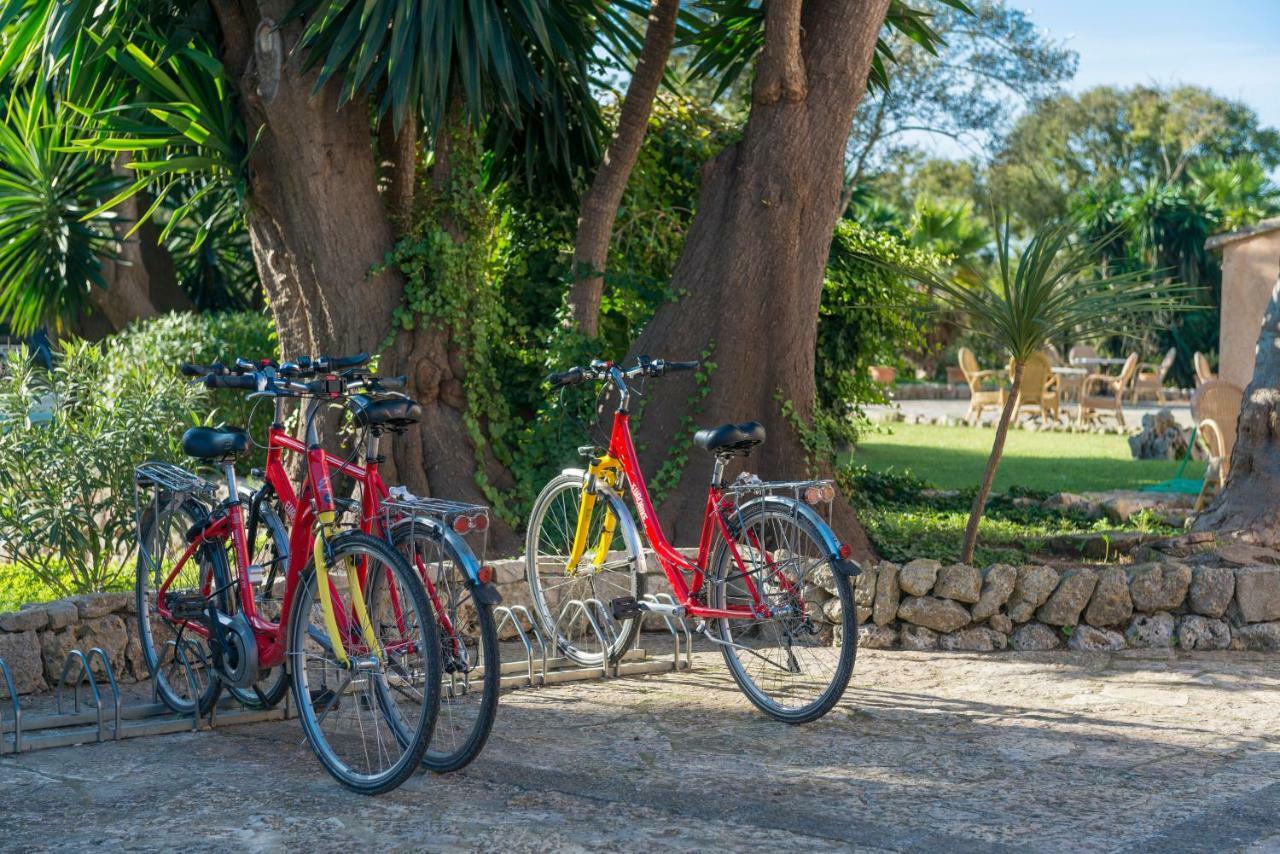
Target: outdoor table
(1070,372)
(1099,361)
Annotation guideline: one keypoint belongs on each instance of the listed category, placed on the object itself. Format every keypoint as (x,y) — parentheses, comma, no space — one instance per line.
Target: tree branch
(780,73)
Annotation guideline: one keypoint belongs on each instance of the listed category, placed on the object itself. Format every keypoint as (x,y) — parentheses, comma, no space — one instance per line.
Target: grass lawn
(954,457)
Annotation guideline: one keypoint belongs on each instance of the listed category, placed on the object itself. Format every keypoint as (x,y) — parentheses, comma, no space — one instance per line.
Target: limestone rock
(864,586)
(1034,637)
(1063,607)
(941,615)
(109,633)
(21,651)
(1159,586)
(998,581)
(1197,632)
(1261,637)
(26,620)
(973,639)
(1086,638)
(54,647)
(100,604)
(1034,585)
(1211,590)
(833,611)
(1001,623)
(1067,502)
(918,577)
(824,577)
(877,637)
(1110,604)
(919,638)
(1151,630)
(62,614)
(1258,593)
(886,604)
(959,582)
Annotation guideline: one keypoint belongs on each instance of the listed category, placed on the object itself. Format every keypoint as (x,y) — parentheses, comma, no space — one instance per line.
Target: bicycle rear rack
(815,493)
(457,516)
(65,727)
(169,487)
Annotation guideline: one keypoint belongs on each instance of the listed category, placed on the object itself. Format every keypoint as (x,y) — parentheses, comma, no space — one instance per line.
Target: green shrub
(69,439)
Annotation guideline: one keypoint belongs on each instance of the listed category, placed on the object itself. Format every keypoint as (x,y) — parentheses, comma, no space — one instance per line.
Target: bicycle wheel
(784,664)
(177,657)
(269,549)
(471,670)
(368,719)
(609,569)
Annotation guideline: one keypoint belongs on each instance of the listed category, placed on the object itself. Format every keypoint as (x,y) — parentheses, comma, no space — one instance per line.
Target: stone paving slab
(928,752)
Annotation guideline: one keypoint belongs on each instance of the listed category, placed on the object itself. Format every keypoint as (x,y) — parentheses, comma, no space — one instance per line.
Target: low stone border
(1225,599)
(1228,598)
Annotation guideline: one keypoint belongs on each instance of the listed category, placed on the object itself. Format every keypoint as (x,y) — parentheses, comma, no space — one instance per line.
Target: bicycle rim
(786,665)
(586,633)
(368,720)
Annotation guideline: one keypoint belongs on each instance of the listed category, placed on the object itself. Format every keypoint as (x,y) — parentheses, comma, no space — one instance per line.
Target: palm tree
(1048,289)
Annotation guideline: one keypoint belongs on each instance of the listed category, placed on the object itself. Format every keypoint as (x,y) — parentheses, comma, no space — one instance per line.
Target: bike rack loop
(101,655)
(85,671)
(14,704)
(668,599)
(582,607)
(508,616)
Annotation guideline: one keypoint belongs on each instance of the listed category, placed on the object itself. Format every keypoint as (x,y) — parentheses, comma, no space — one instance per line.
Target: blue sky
(1229,46)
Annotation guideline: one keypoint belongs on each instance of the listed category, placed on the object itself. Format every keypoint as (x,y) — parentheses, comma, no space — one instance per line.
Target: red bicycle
(762,549)
(428,533)
(355,625)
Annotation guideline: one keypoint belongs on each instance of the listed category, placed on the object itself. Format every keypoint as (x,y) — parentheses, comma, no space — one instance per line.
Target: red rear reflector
(845,551)
(462,524)
(479,523)
(485,575)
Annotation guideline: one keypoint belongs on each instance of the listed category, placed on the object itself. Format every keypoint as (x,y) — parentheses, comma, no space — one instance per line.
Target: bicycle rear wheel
(608,569)
(471,669)
(180,661)
(368,719)
(268,549)
(785,664)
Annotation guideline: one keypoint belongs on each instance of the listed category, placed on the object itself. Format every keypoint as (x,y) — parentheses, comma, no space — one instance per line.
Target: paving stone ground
(928,752)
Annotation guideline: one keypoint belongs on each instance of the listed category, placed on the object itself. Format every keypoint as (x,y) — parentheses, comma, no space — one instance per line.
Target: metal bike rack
(69,724)
(16,705)
(585,608)
(676,625)
(508,614)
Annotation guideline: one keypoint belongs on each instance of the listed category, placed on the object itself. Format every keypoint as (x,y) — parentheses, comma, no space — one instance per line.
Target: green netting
(1178,483)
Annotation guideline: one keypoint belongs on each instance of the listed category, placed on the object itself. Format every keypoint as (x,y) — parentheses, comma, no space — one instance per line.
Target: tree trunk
(1250,502)
(398,150)
(754,261)
(989,474)
(318,223)
(600,203)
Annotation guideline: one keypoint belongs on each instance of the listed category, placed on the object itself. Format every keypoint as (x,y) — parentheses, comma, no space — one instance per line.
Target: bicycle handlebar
(599,370)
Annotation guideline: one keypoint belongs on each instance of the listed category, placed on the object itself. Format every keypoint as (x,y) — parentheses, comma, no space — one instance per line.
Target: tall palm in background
(1047,289)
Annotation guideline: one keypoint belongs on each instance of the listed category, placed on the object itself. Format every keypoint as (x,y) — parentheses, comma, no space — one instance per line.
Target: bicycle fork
(324,529)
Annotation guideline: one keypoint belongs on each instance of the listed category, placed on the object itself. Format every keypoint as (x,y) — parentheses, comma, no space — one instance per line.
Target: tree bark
(970,543)
(600,203)
(780,73)
(398,150)
(753,266)
(1250,502)
(319,223)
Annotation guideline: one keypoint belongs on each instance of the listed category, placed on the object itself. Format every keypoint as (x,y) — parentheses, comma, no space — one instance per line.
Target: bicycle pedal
(626,607)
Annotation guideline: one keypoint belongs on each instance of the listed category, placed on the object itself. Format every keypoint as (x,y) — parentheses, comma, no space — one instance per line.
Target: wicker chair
(980,398)
(1203,372)
(1081,351)
(1070,385)
(1039,388)
(1150,378)
(1105,393)
(1215,407)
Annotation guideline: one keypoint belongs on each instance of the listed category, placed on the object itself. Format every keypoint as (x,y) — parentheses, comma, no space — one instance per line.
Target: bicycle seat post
(717,473)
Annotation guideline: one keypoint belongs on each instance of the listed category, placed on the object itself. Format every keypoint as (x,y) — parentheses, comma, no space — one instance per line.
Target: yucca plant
(1050,288)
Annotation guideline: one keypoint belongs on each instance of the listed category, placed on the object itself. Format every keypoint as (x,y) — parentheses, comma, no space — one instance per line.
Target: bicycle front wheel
(471,672)
(786,663)
(367,712)
(607,569)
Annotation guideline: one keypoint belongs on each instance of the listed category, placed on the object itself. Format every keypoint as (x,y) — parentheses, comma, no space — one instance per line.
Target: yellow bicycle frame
(326,598)
(608,471)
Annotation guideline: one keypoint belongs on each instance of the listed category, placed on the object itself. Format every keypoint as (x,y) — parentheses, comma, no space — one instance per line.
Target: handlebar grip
(248,382)
(187,369)
(564,378)
(681,366)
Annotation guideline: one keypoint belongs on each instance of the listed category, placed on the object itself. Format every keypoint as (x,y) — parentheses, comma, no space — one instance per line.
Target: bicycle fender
(830,544)
(627,524)
(470,565)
